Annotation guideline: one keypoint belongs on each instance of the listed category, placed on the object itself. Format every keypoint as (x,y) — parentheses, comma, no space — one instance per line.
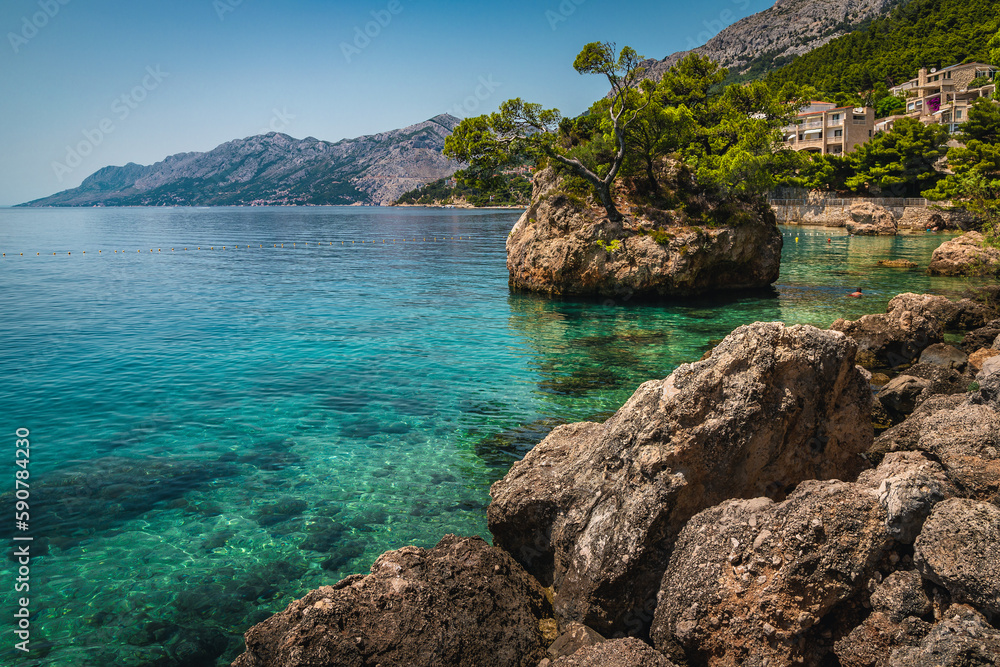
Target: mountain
(275,168)
(762,41)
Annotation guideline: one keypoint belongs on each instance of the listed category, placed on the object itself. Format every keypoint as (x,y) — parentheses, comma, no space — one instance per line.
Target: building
(943,96)
(823,127)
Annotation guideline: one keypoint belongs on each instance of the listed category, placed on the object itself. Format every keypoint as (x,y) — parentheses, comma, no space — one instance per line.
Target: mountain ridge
(275,169)
(778,34)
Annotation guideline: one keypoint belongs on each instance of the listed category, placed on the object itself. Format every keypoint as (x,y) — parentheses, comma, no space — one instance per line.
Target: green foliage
(979,82)
(973,386)
(610,247)
(900,162)
(507,190)
(525,131)
(889,105)
(662,236)
(975,183)
(921,33)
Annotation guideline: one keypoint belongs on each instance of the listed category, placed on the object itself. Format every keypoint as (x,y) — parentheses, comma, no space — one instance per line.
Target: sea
(225,408)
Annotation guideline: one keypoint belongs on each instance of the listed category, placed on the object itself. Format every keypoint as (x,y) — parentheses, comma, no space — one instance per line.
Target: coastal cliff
(562,246)
(741,511)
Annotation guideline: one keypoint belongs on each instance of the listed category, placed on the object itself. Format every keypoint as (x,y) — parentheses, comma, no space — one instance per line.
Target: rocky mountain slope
(789,28)
(274,169)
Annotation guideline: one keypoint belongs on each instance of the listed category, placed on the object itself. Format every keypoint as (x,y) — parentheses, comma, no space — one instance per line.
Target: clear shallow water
(216,432)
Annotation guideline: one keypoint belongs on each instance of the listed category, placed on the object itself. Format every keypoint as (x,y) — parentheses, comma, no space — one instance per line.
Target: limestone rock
(980,356)
(871,643)
(901,594)
(461,603)
(982,337)
(558,247)
(962,435)
(990,367)
(963,314)
(894,338)
(908,485)
(899,397)
(574,637)
(868,219)
(965,256)
(594,508)
(749,578)
(627,652)
(964,639)
(959,549)
(948,356)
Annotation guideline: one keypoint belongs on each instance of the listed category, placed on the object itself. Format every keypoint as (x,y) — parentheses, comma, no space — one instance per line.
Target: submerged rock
(897,263)
(965,255)
(563,248)
(461,603)
(749,578)
(868,219)
(594,508)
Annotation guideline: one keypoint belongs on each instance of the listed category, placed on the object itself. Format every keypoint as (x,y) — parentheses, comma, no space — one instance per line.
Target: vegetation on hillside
(510,190)
(862,65)
(975,179)
(724,143)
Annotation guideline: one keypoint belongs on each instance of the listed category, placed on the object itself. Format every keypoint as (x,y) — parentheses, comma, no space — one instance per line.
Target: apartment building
(823,127)
(943,96)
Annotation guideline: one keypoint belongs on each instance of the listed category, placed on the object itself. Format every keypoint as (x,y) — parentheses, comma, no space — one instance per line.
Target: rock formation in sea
(870,220)
(737,513)
(965,255)
(563,246)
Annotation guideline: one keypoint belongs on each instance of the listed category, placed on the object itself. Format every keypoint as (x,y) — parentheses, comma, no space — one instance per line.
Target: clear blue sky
(197,73)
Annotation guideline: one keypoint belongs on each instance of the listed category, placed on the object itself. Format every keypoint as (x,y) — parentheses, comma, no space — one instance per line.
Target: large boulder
(894,338)
(750,579)
(962,314)
(948,356)
(966,255)
(962,433)
(869,219)
(562,247)
(594,508)
(871,644)
(461,603)
(983,337)
(959,550)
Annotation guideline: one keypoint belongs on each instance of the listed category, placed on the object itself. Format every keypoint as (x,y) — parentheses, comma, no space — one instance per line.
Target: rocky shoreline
(797,497)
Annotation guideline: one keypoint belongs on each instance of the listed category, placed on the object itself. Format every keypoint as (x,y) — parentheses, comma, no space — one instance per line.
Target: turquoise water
(215,432)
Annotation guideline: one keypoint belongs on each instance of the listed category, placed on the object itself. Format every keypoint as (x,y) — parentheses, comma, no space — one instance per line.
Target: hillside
(924,33)
(277,169)
(789,28)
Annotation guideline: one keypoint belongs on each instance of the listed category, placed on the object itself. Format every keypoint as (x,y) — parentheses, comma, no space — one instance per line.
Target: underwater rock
(594,508)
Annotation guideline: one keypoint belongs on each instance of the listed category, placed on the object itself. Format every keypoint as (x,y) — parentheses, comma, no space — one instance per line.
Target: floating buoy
(796,239)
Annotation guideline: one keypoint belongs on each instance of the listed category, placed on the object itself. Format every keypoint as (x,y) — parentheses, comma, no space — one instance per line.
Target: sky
(90,83)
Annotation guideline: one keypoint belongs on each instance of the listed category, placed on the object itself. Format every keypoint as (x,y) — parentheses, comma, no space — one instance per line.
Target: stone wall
(910,214)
